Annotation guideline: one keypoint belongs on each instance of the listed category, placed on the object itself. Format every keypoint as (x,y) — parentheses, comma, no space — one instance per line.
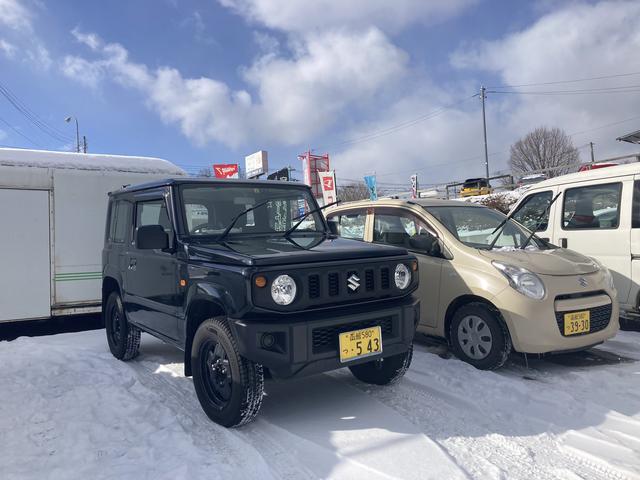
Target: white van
(597,213)
(53,207)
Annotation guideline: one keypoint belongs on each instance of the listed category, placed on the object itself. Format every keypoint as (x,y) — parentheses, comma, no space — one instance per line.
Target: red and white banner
(226,170)
(328,182)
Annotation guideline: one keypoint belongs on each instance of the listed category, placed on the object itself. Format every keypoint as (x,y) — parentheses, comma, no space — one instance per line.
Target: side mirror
(426,243)
(151,237)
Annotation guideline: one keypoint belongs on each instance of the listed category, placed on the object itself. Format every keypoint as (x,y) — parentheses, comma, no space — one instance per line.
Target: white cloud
(7,48)
(296,97)
(320,15)
(576,41)
(14,15)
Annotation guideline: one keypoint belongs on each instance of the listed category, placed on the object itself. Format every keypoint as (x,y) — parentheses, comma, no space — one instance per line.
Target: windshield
(473,226)
(210,208)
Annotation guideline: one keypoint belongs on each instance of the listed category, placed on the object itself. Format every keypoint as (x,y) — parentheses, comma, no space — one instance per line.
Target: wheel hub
(474,337)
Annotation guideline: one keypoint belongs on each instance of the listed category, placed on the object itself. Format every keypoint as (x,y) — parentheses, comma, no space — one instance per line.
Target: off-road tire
(247,378)
(384,371)
(126,344)
(501,340)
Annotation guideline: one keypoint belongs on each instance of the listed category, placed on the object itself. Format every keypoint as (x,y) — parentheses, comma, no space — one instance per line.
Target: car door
(152,283)
(396,226)
(532,211)
(592,223)
(634,291)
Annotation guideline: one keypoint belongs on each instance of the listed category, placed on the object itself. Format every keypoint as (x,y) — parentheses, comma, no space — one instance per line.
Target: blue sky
(202,82)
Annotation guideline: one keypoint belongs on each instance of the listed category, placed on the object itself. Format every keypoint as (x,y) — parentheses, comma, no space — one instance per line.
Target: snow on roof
(86,161)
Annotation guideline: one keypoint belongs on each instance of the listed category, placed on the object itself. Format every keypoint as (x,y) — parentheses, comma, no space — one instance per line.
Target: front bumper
(307,343)
(537,326)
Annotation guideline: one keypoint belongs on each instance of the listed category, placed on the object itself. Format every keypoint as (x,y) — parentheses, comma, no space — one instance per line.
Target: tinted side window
(635,214)
(153,212)
(120,221)
(531,211)
(592,207)
(349,224)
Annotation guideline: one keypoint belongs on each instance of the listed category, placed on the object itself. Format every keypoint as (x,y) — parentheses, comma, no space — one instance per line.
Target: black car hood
(282,251)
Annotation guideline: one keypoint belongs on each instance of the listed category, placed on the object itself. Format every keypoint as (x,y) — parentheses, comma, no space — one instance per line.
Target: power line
(30,140)
(575,80)
(585,91)
(397,127)
(33,117)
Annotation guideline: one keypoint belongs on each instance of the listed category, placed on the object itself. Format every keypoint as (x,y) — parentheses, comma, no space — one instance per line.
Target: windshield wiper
(226,231)
(539,222)
(305,215)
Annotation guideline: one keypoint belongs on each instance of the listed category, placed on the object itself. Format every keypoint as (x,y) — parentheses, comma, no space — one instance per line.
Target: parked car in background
(475,186)
(595,166)
(596,214)
(487,285)
(244,277)
(531,179)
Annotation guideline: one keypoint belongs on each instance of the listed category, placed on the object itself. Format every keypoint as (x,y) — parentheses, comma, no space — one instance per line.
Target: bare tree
(205,172)
(353,191)
(544,150)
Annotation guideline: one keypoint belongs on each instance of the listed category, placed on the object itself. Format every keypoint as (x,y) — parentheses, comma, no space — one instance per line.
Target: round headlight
(402,276)
(283,290)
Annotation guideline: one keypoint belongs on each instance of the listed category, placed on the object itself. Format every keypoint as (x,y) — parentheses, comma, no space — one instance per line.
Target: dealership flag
(328,182)
(370,180)
(414,186)
(226,170)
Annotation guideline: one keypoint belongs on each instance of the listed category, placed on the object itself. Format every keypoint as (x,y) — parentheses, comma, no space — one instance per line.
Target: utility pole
(84,143)
(593,159)
(68,119)
(484,127)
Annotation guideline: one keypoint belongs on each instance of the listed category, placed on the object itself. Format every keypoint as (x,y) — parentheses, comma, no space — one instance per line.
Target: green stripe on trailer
(73,277)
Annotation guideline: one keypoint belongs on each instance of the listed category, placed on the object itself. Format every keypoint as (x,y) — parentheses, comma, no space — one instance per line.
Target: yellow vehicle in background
(475,186)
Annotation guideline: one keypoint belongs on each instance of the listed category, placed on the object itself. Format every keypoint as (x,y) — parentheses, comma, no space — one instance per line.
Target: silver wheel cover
(474,337)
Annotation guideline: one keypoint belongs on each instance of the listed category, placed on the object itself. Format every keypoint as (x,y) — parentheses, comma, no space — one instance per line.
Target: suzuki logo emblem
(583,281)
(353,282)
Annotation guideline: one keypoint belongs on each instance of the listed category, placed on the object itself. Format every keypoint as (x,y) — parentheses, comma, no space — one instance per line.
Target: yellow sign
(577,322)
(360,343)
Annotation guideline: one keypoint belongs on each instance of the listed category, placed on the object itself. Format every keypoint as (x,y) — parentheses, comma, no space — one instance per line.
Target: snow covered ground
(68,409)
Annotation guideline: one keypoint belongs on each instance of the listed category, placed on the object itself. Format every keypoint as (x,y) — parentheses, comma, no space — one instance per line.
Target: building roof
(17,157)
(633,137)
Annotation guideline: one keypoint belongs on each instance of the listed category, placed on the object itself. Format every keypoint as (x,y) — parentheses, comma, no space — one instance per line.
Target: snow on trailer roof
(17,157)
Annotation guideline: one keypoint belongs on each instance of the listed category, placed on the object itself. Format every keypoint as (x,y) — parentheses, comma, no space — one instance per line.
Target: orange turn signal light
(260,281)
(183,283)
(414,266)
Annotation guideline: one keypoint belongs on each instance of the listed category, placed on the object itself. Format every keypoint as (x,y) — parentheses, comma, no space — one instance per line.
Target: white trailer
(52,223)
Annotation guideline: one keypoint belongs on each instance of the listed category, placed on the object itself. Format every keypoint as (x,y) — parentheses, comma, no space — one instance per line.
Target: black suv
(246,278)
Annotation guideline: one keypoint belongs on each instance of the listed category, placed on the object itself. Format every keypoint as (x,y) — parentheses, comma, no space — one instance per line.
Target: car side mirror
(426,243)
(151,237)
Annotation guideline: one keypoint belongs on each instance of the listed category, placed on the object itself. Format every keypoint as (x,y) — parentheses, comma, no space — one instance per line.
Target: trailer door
(25,279)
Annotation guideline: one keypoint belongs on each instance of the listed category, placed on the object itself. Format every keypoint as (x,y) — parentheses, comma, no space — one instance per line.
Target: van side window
(349,224)
(153,212)
(531,209)
(592,207)
(635,213)
(119,221)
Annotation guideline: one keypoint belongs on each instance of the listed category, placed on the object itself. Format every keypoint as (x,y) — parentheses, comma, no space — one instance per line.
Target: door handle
(133,264)
(563,242)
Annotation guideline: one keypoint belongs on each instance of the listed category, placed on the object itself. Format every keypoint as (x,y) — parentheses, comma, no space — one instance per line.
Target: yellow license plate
(360,343)
(577,322)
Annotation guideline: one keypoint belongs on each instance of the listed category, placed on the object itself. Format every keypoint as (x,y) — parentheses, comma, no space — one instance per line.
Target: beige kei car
(488,286)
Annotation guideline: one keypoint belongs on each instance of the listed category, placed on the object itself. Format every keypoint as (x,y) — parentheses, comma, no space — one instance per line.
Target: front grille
(599,319)
(369,282)
(384,272)
(334,284)
(325,339)
(314,286)
(572,296)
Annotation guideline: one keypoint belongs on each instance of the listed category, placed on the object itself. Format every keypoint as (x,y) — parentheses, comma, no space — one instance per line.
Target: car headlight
(402,276)
(521,279)
(283,290)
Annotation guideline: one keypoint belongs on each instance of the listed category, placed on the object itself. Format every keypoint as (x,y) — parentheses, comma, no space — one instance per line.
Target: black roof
(633,137)
(205,181)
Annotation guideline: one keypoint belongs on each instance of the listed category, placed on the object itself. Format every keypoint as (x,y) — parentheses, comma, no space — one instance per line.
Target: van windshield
(209,209)
(474,226)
